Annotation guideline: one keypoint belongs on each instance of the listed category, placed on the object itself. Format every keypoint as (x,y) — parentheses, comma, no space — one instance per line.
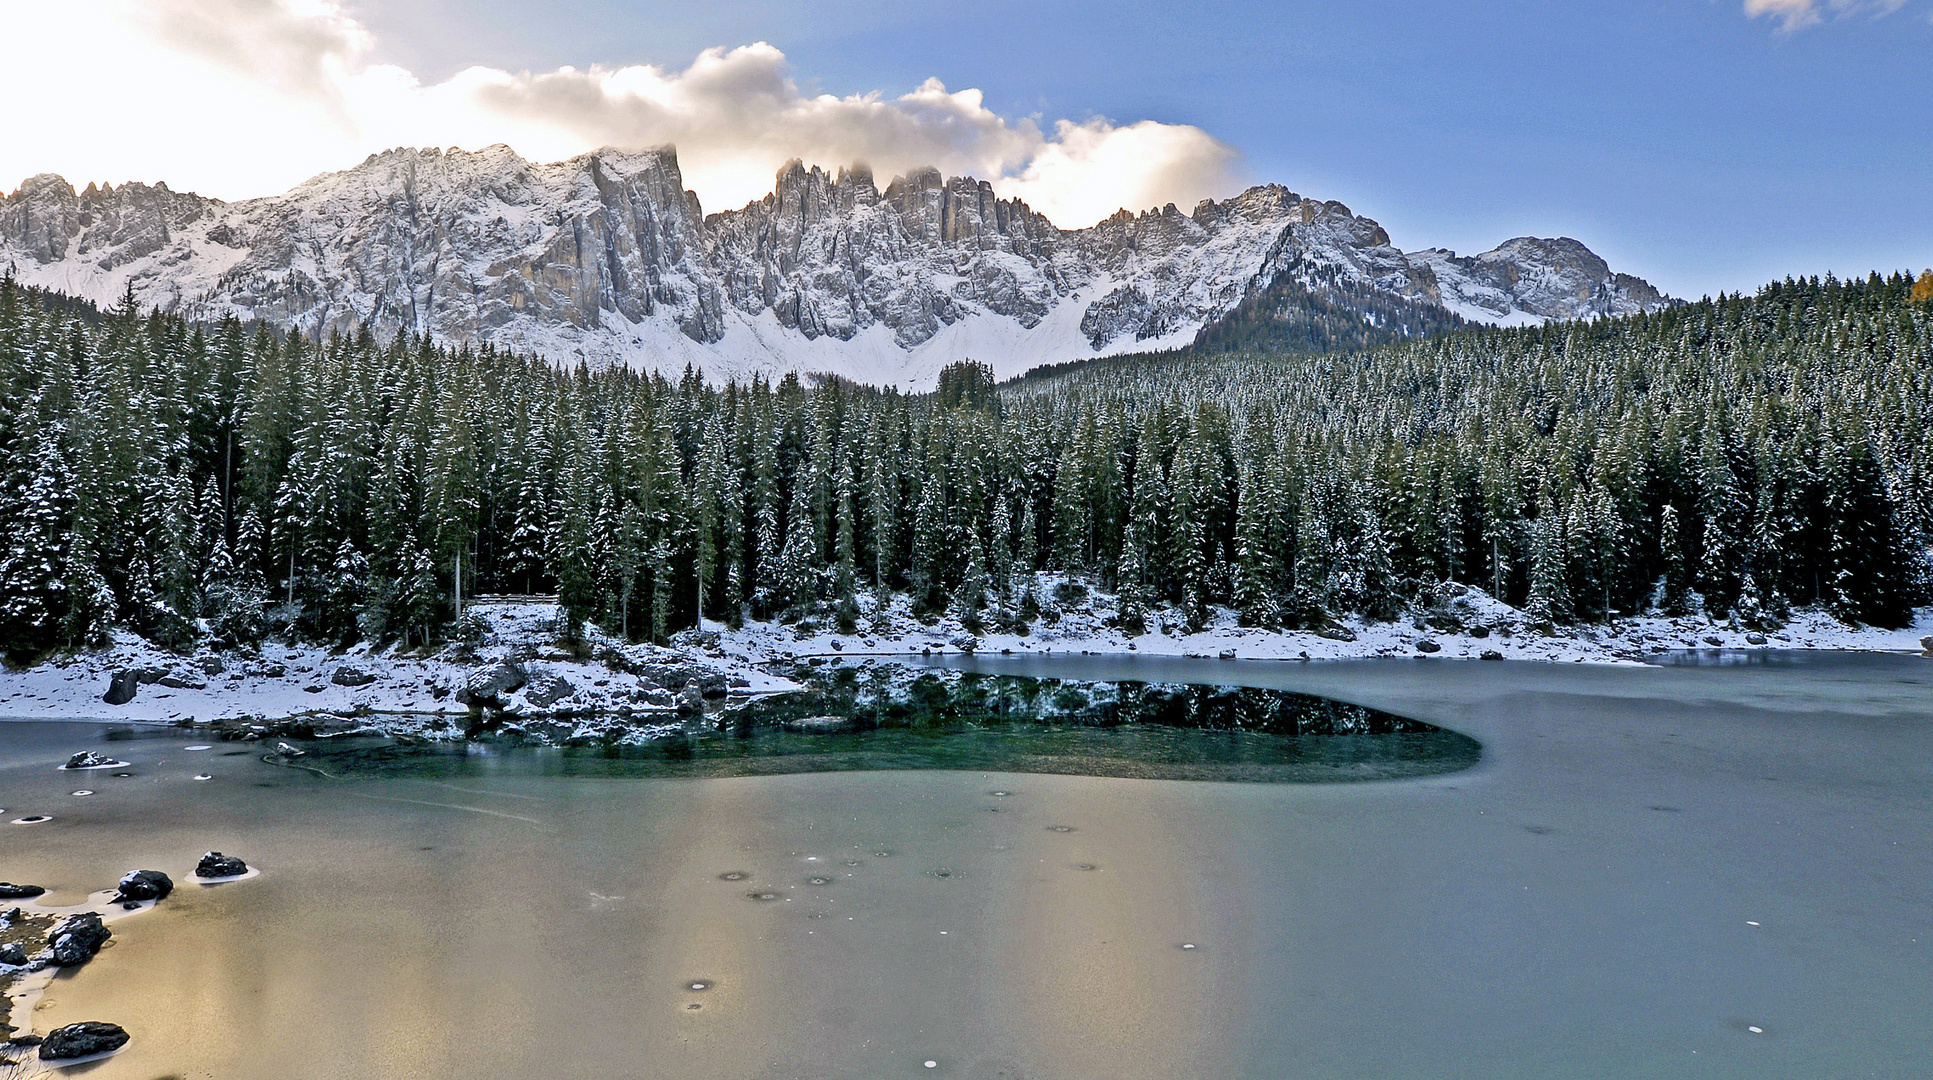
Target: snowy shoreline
(610,691)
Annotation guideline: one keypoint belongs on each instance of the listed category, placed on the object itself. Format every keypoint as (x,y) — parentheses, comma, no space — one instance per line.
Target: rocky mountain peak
(606,258)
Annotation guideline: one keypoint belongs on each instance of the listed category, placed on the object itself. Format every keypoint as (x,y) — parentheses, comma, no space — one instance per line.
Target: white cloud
(1799,14)
(248,97)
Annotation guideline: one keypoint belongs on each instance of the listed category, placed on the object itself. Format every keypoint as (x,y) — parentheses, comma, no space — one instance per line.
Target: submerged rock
(77,938)
(818,724)
(216,865)
(10,891)
(121,689)
(81,1040)
(142,885)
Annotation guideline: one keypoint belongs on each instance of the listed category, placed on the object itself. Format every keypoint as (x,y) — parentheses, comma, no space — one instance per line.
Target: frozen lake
(1645,865)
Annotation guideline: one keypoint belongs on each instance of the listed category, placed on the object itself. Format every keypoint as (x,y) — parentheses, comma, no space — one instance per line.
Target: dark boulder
(13,954)
(216,865)
(352,676)
(1425,645)
(88,759)
(121,689)
(77,938)
(84,1039)
(488,684)
(140,885)
(1491,654)
(547,690)
(10,891)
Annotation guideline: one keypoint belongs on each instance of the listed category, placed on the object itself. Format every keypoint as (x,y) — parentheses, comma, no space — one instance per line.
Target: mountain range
(607,258)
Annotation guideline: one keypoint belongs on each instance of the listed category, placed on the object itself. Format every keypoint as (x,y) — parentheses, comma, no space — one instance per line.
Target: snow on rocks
(215,866)
(140,886)
(77,938)
(514,673)
(89,1038)
(1461,621)
(515,678)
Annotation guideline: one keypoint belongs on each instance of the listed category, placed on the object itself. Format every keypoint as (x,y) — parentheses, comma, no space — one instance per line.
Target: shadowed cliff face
(608,258)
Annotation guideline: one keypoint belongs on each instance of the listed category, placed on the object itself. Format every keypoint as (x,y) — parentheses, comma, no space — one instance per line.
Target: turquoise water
(856,719)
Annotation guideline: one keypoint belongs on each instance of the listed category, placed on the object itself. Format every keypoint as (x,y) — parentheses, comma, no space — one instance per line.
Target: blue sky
(1690,142)
(1681,139)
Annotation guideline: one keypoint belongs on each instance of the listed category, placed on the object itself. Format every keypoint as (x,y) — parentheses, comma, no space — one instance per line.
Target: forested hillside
(1746,453)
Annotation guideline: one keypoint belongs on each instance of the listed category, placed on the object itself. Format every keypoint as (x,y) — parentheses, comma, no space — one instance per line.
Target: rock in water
(81,1040)
(77,938)
(215,865)
(88,759)
(10,891)
(142,885)
(286,750)
(819,724)
(1926,645)
(121,690)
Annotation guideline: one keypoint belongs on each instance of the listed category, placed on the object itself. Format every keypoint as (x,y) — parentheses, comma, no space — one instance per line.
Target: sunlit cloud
(248,97)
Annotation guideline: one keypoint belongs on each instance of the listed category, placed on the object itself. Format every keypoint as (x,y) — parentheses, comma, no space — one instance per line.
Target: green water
(856,719)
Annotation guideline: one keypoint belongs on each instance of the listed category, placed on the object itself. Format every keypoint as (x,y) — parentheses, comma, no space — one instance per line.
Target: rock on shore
(84,1039)
(77,938)
(216,865)
(142,885)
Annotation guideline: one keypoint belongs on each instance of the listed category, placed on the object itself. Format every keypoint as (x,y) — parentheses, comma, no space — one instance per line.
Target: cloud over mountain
(294,87)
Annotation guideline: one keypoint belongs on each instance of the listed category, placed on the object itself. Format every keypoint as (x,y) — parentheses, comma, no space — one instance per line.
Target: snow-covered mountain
(606,257)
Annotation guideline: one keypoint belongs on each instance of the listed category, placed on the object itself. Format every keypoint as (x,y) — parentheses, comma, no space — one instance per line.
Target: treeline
(1752,452)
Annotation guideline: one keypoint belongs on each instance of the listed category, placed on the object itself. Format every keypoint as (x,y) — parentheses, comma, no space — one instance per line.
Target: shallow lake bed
(1579,903)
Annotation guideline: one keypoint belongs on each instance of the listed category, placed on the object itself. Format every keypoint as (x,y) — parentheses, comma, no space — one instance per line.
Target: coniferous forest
(1735,456)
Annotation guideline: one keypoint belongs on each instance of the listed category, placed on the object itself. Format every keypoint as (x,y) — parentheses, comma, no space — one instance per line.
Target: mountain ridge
(607,258)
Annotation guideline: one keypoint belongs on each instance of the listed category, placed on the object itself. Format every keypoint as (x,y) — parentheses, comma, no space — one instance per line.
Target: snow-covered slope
(1529,280)
(607,258)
